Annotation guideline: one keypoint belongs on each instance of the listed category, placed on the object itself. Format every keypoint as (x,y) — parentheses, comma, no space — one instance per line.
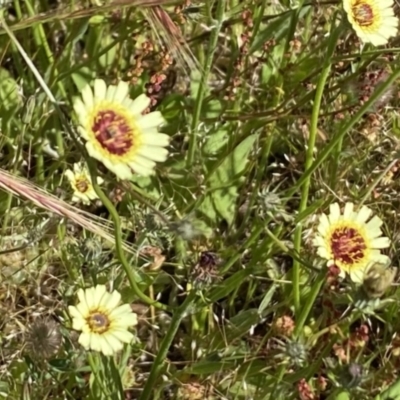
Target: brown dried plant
(170,35)
(23,188)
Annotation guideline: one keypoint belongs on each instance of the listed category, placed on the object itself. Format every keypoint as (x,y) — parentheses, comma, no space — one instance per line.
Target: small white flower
(103,323)
(81,183)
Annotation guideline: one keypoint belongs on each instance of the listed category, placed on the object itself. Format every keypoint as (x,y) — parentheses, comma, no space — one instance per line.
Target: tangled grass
(275,110)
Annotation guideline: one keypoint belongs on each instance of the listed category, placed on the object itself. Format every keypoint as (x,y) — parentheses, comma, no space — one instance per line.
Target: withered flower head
(351,376)
(192,391)
(205,272)
(91,248)
(43,338)
(296,352)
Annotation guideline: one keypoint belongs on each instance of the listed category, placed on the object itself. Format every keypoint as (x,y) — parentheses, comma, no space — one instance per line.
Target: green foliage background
(275,110)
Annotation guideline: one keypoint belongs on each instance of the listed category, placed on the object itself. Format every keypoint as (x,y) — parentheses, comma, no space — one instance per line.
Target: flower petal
(150,121)
(121,92)
(380,243)
(87,96)
(100,89)
(139,105)
(154,153)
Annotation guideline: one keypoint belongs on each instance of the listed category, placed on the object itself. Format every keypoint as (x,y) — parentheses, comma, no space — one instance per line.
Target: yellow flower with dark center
(350,242)
(103,322)
(373,20)
(81,183)
(116,131)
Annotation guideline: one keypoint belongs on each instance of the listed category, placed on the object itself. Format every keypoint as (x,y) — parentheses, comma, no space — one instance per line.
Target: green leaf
(392,393)
(4,389)
(216,141)
(238,389)
(224,182)
(229,285)
(342,396)
(82,77)
(267,299)
(224,202)
(61,365)
(277,29)
(240,324)
(106,60)
(172,106)
(234,164)
(208,367)
(9,91)
(195,79)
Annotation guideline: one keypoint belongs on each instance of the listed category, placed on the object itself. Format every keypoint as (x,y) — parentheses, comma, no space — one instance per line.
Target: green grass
(274,111)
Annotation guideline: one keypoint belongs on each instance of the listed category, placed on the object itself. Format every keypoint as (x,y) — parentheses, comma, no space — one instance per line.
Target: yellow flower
(116,132)
(350,242)
(373,20)
(103,323)
(81,183)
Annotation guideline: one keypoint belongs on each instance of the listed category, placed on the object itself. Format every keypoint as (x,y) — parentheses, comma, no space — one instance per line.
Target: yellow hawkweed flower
(350,242)
(116,131)
(104,324)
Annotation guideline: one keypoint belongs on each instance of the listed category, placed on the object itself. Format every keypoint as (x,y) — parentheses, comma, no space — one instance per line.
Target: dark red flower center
(363,14)
(348,246)
(98,322)
(113,132)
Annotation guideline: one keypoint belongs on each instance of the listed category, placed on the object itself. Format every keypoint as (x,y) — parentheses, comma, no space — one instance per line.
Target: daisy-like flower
(350,242)
(116,131)
(373,20)
(103,323)
(81,183)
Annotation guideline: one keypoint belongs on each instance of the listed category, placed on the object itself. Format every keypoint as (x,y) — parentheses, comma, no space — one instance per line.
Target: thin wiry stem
(306,186)
(129,271)
(158,364)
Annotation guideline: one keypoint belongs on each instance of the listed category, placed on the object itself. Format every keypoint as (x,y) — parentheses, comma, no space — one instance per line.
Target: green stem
(346,128)
(93,362)
(306,184)
(129,271)
(158,364)
(305,310)
(258,16)
(118,236)
(286,250)
(204,80)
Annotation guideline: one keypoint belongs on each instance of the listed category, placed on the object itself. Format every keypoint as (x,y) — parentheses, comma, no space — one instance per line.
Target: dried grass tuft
(23,188)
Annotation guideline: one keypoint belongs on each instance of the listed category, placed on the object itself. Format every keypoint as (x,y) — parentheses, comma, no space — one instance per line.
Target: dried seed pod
(378,279)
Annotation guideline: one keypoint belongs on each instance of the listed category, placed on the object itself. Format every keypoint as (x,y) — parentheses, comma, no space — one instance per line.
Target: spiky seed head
(44,338)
